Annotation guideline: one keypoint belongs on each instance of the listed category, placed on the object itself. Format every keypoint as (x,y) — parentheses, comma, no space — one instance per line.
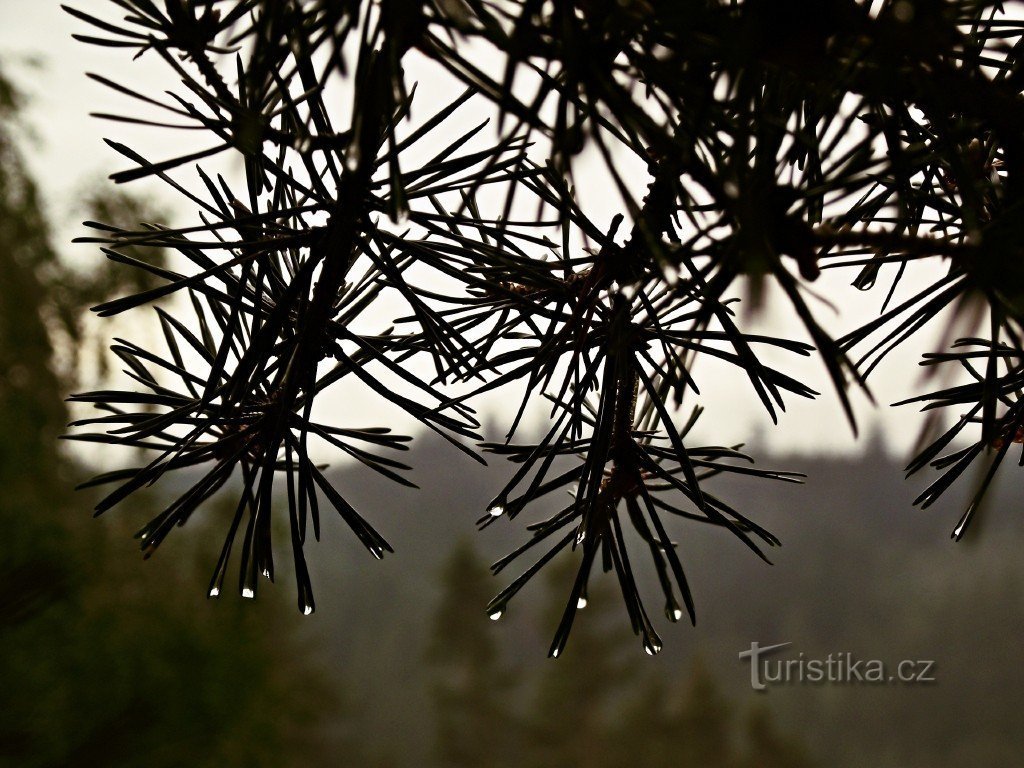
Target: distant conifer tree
(470,681)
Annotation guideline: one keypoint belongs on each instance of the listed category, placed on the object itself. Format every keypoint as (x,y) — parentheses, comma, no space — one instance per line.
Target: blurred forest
(106,661)
(858,572)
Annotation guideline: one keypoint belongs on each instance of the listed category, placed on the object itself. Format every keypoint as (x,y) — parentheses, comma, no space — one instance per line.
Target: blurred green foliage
(471,689)
(589,708)
(104,662)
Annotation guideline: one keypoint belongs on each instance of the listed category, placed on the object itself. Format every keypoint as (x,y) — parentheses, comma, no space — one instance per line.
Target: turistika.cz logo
(841,668)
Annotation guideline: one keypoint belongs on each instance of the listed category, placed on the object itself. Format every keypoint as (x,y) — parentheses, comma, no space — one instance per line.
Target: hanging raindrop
(247,592)
(214,591)
(352,158)
(651,647)
(495,615)
(307,609)
(581,603)
(497,509)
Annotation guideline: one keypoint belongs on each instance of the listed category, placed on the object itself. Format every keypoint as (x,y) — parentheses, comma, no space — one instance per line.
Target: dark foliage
(780,138)
(102,665)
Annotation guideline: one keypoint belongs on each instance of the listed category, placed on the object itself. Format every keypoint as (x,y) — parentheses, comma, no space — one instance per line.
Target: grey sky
(71,151)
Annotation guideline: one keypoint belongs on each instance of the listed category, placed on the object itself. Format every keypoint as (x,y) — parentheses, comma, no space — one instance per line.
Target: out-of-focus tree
(470,683)
(686,722)
(102,664)
(573,713)
(767,747)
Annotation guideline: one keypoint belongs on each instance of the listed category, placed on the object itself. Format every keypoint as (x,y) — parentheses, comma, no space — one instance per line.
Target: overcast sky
(70,153)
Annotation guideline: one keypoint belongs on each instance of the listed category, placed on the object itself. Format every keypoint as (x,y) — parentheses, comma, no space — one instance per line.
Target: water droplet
(497,509)
(144,536)
(246,592)
(672,275)
(959,530)
(402,216)
(307,609)
(651,647)
(352,158)
(675,614)
(581,603)
(731,190)
(266,573)
(214,591)
(495,615)
(580,536)
(555,652)
(377,552)
(615,287)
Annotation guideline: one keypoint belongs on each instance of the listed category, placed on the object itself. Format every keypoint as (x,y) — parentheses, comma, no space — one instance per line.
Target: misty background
(108,660)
